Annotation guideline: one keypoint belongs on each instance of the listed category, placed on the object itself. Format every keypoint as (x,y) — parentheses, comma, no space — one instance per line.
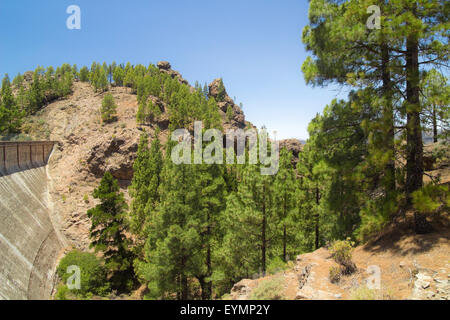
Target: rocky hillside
(87,148)
(411,267)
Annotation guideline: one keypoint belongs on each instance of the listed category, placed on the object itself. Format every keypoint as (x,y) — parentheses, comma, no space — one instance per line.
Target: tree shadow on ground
(401,239)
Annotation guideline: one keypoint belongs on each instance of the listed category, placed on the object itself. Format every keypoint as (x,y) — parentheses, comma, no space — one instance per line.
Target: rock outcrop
(224,102)
(431,285)
(293,145)
(116,156)
(165,67)
(242,289)
(87,148)
(411,267)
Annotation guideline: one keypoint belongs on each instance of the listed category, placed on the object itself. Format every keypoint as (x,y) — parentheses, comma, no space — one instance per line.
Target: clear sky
(254,45)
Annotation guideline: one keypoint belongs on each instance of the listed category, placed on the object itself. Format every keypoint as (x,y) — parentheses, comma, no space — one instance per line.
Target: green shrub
(229,114)
(430,198)
(335,274)
(221,93)
(93,274)
(108,109)
(62,292)
(270,289)
(441,152)
(276,265)
(226,296)
(364,293)
(341,252)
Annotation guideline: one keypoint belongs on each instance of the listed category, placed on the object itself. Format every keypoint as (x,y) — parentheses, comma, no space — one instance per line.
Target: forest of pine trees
(192,231)
(365,141)
(22,98)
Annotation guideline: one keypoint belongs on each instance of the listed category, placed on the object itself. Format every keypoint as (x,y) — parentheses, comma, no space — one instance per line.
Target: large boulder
(165,67)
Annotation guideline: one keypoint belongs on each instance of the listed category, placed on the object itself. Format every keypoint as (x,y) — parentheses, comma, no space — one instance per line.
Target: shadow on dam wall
(29,243)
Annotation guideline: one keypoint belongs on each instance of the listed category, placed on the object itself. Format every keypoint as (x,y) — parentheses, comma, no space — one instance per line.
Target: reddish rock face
(116,156)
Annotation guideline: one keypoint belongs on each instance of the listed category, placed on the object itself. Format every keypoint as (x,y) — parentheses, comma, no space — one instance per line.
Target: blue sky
(254,45)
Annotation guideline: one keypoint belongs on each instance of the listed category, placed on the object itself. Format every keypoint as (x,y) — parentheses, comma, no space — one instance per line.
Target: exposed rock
(165,67)
(216,88)
(162,121)
(28,76)
(293,145)
(86,149)
(224,102)
(241,290)
(303,276)
(306,293)
(427,287)
(116,156)
(309,293)
(308,279)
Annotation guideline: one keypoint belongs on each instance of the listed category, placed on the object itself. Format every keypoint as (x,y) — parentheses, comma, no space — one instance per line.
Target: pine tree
(10,114)
(212,188)
(338,59)
(174,256)
(285,205)
(75,73)
(144,186)
(84,74)
(36,96)
(229,114)
(142,114)
(314,188)
(108,109)
(339,145)
(102,81)
(129,77)
(111,68)
(385,60)
(435,100)
(251,222)
(118,76)
(220,92)
(107,232)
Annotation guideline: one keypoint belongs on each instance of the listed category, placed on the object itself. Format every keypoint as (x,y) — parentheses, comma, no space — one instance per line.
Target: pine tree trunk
(204,287)
(208,287)
(179,287)
(209,283)
(317,242)
(388,117)
(263,234)
(184,288)
(414,147)
(284,229)
(435,131)
(284,244)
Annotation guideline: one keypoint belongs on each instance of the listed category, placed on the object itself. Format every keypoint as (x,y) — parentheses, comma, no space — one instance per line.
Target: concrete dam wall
(29,243)
(19,156)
